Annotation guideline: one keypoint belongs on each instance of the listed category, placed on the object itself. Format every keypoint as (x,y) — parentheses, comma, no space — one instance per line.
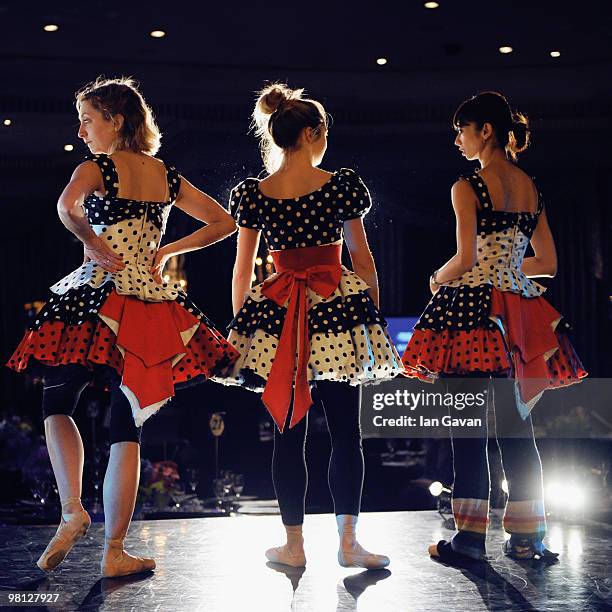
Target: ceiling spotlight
(51,27)
(431,5)
(7,122)
(68,147)
(158,34)
(381,61)
(506,50)
(555,54)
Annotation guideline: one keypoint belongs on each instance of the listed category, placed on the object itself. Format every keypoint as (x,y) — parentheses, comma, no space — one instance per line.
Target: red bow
(292,285)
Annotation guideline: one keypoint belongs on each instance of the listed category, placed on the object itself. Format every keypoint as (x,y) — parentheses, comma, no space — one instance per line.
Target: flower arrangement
(158,482)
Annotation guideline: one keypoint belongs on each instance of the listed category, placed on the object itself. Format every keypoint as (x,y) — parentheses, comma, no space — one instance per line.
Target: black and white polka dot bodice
(501,243)
(313,219)
(132,228)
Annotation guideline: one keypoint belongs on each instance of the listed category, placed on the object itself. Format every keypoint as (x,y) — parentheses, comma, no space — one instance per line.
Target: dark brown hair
(511,129)
(279,116)
(120,96)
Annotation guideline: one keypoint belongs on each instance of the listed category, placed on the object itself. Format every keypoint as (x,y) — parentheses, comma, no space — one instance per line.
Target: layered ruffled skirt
(481,329)
(316,304)
(152,346)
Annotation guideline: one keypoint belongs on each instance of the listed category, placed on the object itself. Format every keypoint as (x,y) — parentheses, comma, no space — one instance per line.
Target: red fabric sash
(315,268)
(530,336)
(150,335)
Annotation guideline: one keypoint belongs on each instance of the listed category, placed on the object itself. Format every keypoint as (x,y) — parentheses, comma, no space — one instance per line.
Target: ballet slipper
(72,528)
(117,562)
(445,553)
(526,551)
(351,553)
(292,553)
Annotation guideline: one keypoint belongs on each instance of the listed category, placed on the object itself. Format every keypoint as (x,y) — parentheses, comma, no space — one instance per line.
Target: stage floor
(217,564)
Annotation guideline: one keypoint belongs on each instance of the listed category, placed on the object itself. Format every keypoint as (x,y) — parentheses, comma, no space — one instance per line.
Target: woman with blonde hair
(114,319)
(314,324)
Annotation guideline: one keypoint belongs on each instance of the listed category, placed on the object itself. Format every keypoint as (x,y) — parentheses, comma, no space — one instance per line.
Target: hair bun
(275,94)
(520,134)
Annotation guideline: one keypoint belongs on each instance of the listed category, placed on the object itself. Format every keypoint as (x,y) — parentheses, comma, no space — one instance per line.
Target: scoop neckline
(296,198)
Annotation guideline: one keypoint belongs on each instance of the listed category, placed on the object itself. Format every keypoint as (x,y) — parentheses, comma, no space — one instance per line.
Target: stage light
(269,259)
(183,283)
(505,50)
(68,147)
(555,54)
(381,61)
(253,278)
(504,486)
(157,34)
(51,27)
(258,261)
(575,497)
(431,5)
(436,488)
(7,122)
(567,495)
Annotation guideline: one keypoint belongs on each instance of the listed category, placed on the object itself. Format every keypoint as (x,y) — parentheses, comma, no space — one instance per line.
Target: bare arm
(246,250)
(219,225)
(85,180)
(544,261)
(464,204)
(361,256)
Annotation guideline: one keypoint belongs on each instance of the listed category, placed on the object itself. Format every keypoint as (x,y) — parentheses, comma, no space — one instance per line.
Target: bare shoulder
(87,170)
(462,193)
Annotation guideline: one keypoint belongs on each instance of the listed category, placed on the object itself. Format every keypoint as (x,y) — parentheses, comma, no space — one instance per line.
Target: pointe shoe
(72,528)
(117,562)
(351,553)
(281,554)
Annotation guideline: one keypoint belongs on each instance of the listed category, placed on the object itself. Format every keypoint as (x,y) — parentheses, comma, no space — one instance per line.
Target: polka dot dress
(310,220)
(348,336)
(493,319)
(69,328)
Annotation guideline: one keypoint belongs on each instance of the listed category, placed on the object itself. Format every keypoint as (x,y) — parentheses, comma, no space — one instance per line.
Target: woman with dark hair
(314,323)
(114,319)
(487,319)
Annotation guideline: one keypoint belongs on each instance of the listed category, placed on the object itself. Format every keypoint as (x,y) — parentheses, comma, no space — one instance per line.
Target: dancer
(487,319)
(314,323)
(114,318)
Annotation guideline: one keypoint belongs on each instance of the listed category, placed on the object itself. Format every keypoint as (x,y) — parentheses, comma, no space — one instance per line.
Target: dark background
(391,124)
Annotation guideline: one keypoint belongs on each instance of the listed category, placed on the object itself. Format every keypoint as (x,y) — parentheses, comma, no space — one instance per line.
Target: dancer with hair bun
(487,319)
(114,319)
(314,326)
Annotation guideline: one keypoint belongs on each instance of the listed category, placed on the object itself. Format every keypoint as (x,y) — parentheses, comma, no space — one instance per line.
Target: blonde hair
(120,96)
(279,116)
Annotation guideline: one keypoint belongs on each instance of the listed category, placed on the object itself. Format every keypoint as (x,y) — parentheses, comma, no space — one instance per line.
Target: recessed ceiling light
(51,27)
(68,147)
(555,54)
(381,61)
(431,5)
(7,122)
(506,50)
(158,33)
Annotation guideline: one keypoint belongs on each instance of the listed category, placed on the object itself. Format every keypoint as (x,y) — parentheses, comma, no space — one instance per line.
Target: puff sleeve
(356,201)
(243,206)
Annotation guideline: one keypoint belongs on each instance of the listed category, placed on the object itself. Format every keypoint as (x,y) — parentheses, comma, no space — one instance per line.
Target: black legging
(62,389)
(345,476)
